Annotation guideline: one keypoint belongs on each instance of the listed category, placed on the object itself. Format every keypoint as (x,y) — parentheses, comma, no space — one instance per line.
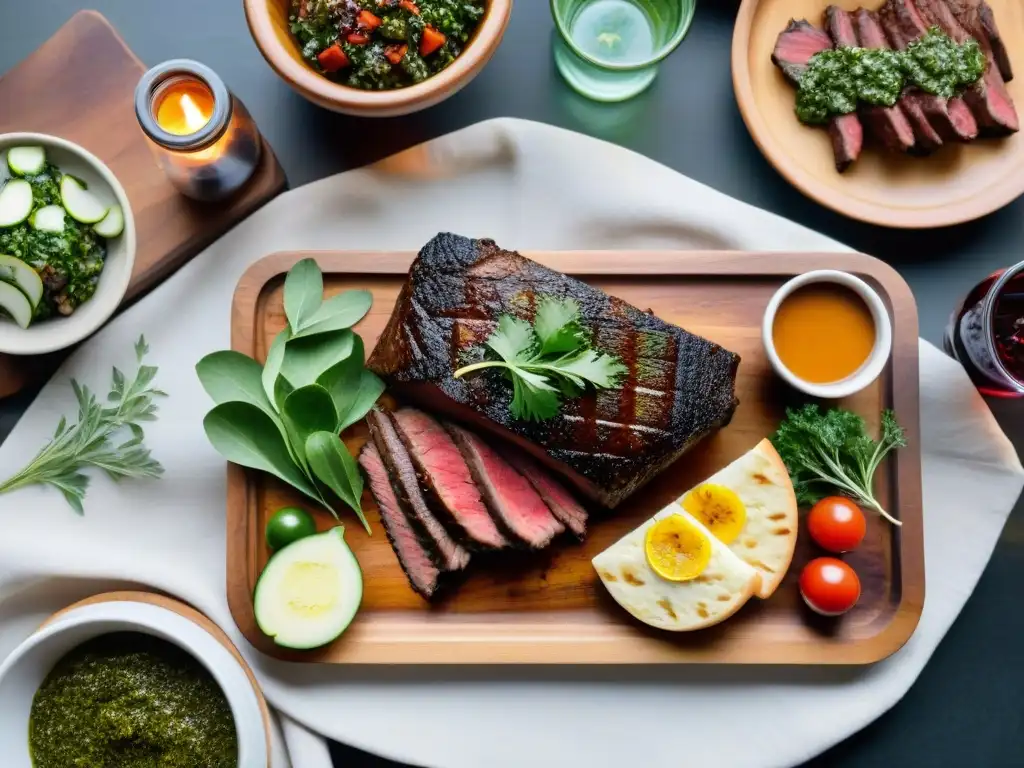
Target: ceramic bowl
(872,367)
(25,669)
(268,23)
(59,332)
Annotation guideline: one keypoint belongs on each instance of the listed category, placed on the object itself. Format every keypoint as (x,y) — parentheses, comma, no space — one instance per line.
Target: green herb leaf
(548,361)
(338,313)
(353,389)
(272,368)
(307,410)
(303,294)
(231,377)
(305,360)
(834,451)
(334,466)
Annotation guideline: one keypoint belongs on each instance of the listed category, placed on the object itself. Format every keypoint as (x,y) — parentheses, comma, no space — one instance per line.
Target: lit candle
(203,136)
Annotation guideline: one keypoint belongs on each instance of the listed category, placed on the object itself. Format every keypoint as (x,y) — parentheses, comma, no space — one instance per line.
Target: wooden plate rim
(542,642)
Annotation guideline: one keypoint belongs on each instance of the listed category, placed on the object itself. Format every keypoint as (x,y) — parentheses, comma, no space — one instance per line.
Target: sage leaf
(231,377)
(303,294)
(306,359)
(334,466)
(245,435)
(353,389)
(307,410)
(338,313)
(362,399)
(272,368)
(281,391)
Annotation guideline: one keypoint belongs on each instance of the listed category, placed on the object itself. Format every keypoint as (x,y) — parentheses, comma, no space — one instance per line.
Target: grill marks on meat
(446,480)
(679,387)
(510,497)
(416,560)
(795,46)
(845,131)
(449,555)
(561,503)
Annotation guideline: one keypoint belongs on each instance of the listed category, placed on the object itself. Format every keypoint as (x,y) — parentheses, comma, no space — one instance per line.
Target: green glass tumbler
(609,50)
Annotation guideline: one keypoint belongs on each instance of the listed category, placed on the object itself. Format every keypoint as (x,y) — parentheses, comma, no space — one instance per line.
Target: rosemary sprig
(92,440)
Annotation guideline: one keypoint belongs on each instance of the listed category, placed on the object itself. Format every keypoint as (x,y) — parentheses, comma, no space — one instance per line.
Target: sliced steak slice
(976,17)
(513,502)
(445,479)
(563,506)
(951,118)
(795,45)
(417,562)
(450,555)
(902,127)
(845,131)
(988,23)
(679,387)
(988,98)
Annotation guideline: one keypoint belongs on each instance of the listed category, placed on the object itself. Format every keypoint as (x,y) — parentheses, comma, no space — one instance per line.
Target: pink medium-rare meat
(795,46)
(511,499)
(417,563)
(446,480)
(563,506)
(451,556)
(845,131)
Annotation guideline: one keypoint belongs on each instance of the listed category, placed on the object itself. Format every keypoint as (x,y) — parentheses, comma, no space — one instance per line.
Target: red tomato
(837,524)
(829,586)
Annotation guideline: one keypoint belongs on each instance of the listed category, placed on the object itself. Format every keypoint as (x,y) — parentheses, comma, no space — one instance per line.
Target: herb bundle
(552,359)
(91,441)
(285,417)
(835,450)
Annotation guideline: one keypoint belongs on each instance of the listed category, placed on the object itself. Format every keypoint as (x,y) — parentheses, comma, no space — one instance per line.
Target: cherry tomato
(288,525)
(837,524)
(829,586)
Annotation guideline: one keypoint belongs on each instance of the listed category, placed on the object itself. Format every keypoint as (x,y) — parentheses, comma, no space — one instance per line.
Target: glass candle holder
(609,50)
(203,136)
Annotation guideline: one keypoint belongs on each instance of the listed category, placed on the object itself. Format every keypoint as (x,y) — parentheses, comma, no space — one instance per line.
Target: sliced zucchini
(309,591)
(15,304)
(112,224)
(26,161)
(81,205)
(48,219)
(15,202)
(19,274)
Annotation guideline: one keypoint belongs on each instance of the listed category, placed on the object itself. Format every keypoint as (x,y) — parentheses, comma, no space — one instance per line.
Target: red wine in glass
(986,334)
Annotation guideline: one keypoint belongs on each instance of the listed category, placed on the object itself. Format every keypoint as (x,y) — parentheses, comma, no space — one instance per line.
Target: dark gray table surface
(967,708)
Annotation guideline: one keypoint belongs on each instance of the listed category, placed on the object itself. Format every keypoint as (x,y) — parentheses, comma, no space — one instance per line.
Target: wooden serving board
(190,613)
(550,607)
(80,85)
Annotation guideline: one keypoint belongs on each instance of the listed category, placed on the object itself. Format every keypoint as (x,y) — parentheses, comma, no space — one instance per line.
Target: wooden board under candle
(89,74)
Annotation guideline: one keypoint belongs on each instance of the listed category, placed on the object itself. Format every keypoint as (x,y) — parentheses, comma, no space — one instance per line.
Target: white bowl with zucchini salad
(67,243)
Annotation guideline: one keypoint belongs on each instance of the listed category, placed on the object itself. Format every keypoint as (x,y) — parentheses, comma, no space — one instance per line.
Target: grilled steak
(796,44)
(889,124)
(988,23)
(846,131)
(977,18)
(449,555)
(561,503)
(987,98)
(513,502)
(951,118)
(679,387)
(445,479)
(416,561)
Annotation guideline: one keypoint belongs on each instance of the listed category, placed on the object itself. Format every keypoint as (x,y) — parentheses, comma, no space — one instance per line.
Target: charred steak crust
(680,387)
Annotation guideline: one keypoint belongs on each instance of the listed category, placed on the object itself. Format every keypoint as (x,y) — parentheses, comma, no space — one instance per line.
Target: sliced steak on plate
(416,560)
(563,506)
(445,479)
(977,18)
(846,131)
(679,387)
(512,500)
(795,46)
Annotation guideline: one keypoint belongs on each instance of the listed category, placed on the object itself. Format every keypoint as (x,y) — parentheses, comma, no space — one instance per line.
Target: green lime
(288,525)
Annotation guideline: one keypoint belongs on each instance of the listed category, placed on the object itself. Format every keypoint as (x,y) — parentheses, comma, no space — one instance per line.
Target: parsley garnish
(834,449)
(549,360)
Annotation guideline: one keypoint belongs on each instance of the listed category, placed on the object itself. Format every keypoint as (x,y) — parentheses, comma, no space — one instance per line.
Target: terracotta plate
(956,184)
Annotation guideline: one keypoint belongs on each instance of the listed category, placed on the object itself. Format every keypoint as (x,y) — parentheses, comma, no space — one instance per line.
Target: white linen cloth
(528,186)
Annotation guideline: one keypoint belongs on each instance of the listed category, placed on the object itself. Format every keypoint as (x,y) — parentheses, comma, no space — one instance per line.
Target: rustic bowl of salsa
(377,58)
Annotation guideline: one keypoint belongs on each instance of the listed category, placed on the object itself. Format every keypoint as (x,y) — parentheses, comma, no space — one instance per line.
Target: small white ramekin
(872,367)
(24,670)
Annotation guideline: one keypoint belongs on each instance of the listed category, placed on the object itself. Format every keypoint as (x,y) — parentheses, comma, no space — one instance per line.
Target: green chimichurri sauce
(69,262)
(836,80)
(132,701)
(400,43)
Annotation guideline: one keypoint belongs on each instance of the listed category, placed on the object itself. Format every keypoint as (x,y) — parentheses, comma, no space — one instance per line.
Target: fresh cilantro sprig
(549,360)
(835,450)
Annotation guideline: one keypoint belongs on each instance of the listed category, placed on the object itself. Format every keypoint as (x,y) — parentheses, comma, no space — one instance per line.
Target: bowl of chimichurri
(377,58)
(67,243)
(127,684)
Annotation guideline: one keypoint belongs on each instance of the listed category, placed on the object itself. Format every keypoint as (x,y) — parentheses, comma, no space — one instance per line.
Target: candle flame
(194,116)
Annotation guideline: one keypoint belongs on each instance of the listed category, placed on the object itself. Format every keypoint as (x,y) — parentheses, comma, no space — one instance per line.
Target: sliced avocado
(309,591)
(19,274)
(15,304)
